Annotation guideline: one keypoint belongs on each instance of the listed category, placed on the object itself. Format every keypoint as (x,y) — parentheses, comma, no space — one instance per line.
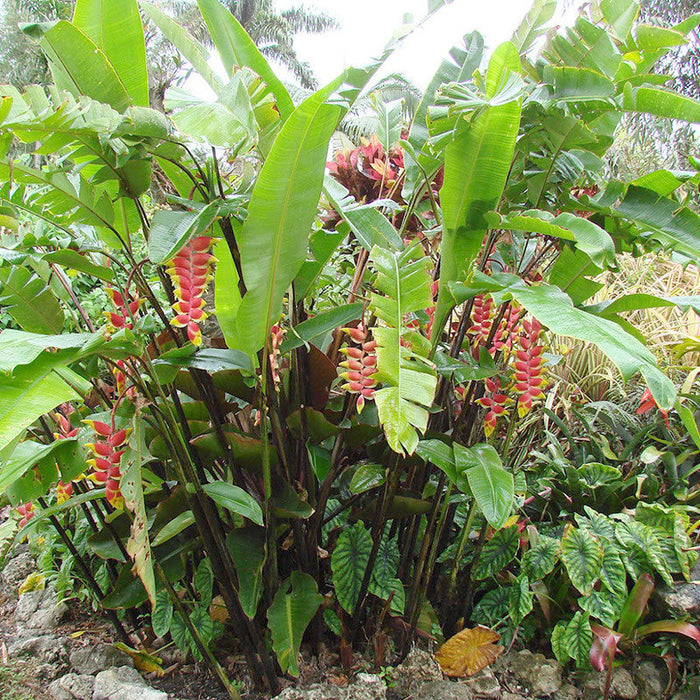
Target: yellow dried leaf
(33,582)
(469,651)
(217,609)
(143,660)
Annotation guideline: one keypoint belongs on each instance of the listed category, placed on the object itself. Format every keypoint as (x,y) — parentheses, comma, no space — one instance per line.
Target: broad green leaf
(174,527)
(30,302)
(32,391)
(162,614)
(612,571)
(235,499)
(477,162)
(74,260)
(390,121)
(520,599)
(407,377)
(635,605)
(190,48)
(384,589)
(26,455)
(540,559)
(318,326)
(578,84)
(602,606)
(203,581)
(227,123)
(237,49)
(366,477)
(532,25)
(497,553)
(293,608)
(274,239)
(115,27)
(621,15)
(490,484)
(673,224)
(583,557)
(79,66)
(555,310)
(247,547)
(227,295)
(368,224)
(348,564)
(171,230)
(210,360)
(578,638)
(559,644)
(661,103)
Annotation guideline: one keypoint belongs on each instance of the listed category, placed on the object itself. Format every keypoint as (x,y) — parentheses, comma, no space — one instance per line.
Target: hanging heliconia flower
(65,429)
(63,491)
(495,401)
(277,334)
(26,510)
(482,320)
(123,312)
(107,459)
(504,336)
(360,365)
(528,365)
(191,272)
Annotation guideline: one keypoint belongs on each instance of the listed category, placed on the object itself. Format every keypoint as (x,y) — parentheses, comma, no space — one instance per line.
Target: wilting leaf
(469,651)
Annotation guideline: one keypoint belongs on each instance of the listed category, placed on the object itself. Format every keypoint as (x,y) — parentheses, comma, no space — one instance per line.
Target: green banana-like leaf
(477,162)
(554,309)
(274,239)
(236,48)
(115,27)
(661,103)
(673,224)
(293,608)
(227,296)
(30,302)
(32,391)
(578,84)
(368,224)
(190,48)
(620,14)
(26,455)
(408,379)
(78,65)
(532,26)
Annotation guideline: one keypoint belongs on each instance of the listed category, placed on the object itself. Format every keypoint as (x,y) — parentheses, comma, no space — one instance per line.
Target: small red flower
(647,403)
(26,510)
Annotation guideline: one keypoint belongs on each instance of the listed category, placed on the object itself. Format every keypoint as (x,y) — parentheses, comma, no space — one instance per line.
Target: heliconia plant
(339,450)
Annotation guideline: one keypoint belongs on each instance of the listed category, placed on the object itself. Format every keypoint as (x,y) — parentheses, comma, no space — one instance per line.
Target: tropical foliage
(358,432)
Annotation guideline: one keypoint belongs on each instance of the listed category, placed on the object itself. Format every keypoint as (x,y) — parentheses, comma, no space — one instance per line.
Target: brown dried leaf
(469,651)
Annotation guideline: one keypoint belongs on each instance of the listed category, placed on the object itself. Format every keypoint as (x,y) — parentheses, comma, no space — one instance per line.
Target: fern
(407,375)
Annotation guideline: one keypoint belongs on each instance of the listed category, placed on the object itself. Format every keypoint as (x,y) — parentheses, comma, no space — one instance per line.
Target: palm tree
(274,32)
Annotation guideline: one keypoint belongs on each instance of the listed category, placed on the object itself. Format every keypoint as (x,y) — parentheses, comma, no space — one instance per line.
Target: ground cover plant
(250,395)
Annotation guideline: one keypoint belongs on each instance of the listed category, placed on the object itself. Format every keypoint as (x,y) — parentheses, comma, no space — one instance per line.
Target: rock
(417,668)
(484,685)
(366,687)
(44,648)
(651,679)
(622,685)
(566,692)
(16,571)
(690,691)
(39,610)
(72,687)
(444,690)
(512,696)
(124,683)
(682,598)
(540,675)
(98,657)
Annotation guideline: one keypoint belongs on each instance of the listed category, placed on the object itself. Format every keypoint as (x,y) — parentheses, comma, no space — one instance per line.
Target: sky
(367,25)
